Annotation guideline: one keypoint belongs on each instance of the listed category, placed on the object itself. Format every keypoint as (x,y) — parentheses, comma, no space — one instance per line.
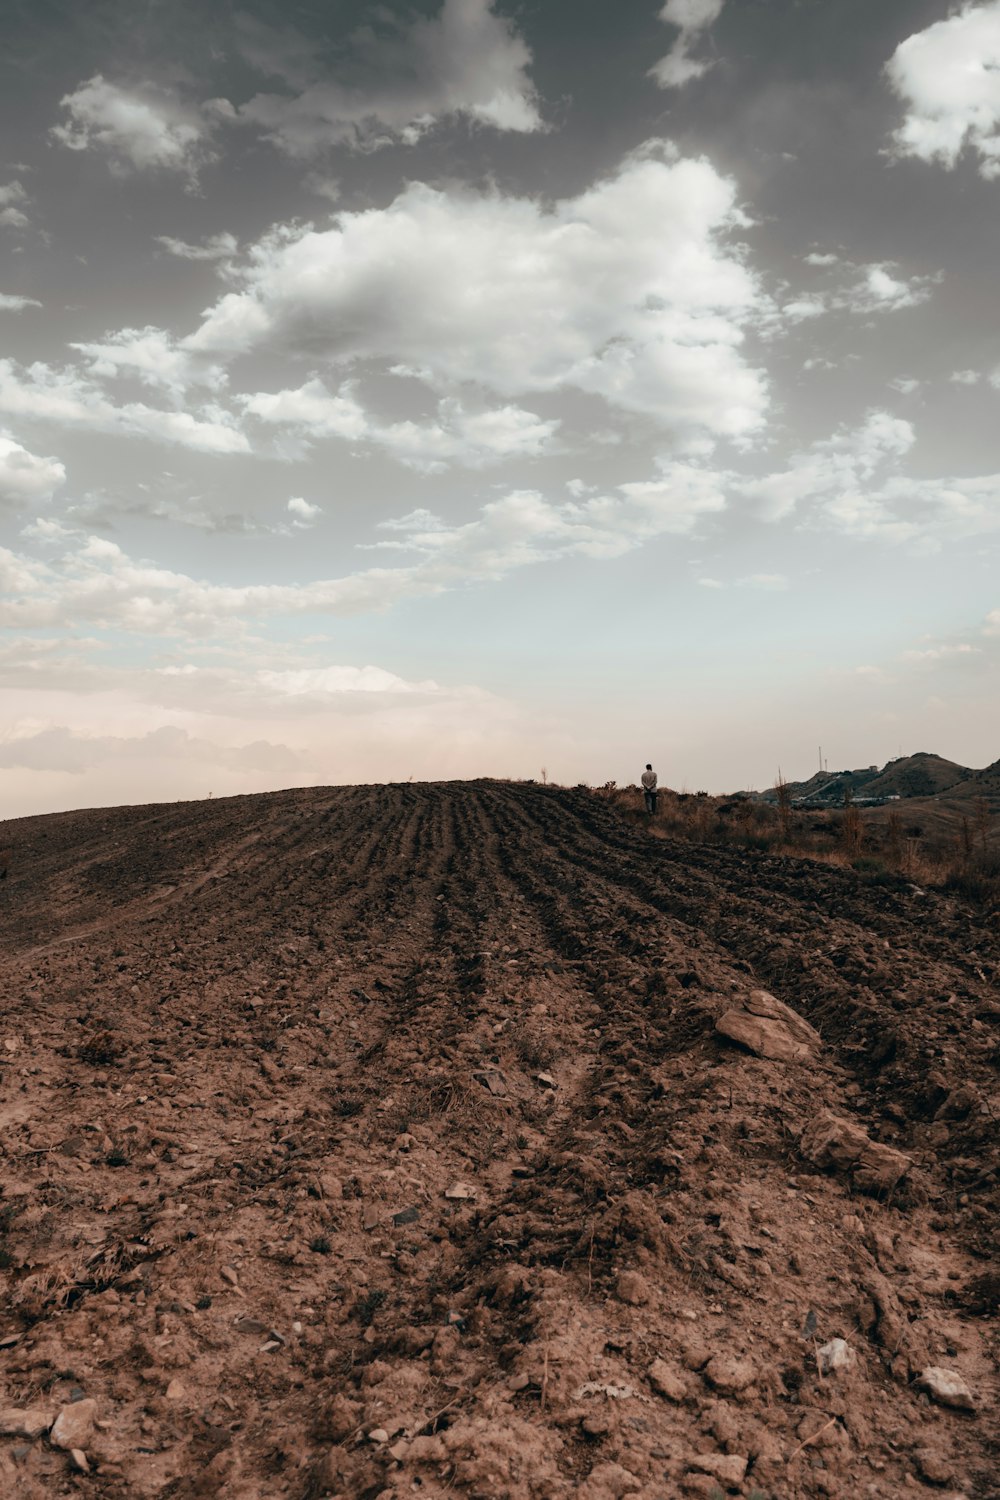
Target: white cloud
(303,513)
(965,377)
(853,483)
(456,435)
(905,384)
(153,357)
(12,200)
(942,653)
(872,289)
(67,399)
(93,580)
(220,247)
(948,76)
(628,291)
(466,61)
(23,476)
(691,17)
(811,305)
(880,291)
(140,128)
(10,303)
(821,258)
(771,583)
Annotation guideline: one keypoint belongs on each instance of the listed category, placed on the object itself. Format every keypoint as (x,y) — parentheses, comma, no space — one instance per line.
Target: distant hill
(919,775)
(985,784)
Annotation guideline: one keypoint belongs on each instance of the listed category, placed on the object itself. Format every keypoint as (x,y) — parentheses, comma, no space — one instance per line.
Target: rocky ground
(463,1140)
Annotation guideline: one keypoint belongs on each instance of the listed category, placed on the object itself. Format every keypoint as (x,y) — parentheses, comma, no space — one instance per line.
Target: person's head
(648,766)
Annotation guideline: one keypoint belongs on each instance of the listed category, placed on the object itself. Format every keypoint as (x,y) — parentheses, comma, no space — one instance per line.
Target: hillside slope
(919,775)
(382,1141)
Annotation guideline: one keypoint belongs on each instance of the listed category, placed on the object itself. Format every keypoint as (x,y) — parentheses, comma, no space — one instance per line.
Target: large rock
(829,1141)
(948,1387)
(769,1028)
(73,1425)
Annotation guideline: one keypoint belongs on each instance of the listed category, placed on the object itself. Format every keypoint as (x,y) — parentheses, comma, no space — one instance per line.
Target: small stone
(228,1274)
(947,1387)
(728,1375)
(73,1425)
(932,1467)
(270,1346)
(79,1460)
(667,1381)
(378,1435)
(460,1191)
(519,1382)
(836,1355)
(26,1422)
(546,1080)
(176,1391)
(370,1216)
(406,1216)
(727,1468)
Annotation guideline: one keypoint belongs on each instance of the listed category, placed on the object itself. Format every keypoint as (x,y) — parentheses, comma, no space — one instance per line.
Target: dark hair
(648,766)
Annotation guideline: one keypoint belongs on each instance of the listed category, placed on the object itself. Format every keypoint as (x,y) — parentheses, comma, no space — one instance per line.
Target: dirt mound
(463,1140)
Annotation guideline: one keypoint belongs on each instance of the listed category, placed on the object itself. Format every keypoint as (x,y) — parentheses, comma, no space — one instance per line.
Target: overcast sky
(451,389)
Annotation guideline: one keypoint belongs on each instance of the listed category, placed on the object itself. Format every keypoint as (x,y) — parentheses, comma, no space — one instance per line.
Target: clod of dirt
(947,1387)
(729,1375)
(28,1422)
(932,1466)
(668,1381)
(727,1468)
(771,1029)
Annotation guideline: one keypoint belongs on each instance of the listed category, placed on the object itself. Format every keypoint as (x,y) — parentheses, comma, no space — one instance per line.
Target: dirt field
(381,1142)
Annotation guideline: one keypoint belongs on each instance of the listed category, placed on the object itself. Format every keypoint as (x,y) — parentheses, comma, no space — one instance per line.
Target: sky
(453,388)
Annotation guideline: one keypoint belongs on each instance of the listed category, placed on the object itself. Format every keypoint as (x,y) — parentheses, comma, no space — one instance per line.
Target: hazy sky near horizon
(448,388)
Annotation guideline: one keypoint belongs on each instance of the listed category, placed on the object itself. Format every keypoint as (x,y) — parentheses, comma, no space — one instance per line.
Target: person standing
(649,788)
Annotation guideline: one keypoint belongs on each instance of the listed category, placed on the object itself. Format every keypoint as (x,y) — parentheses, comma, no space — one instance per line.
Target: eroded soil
(250,1047)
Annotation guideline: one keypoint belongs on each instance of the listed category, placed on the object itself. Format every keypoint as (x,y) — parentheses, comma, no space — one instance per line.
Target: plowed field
(381,1141)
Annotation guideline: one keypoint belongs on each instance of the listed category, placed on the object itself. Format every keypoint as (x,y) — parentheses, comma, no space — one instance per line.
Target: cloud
(691,17)
(965,377)
(154,358)
(628,291)
(12,199)
(852,483)
(942,653)
(23,476)
(474,439)
(302,512)
(67,399)
(948,77)
(821,258)
(220,247)
(63,749)
(141,128)
(872,289)
(397,82)
(880,291)
(94,581)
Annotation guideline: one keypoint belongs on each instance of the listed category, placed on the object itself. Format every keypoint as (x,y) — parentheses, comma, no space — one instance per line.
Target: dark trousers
(650,798)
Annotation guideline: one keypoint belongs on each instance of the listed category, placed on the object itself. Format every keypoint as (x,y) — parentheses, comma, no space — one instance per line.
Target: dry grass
(960,854)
